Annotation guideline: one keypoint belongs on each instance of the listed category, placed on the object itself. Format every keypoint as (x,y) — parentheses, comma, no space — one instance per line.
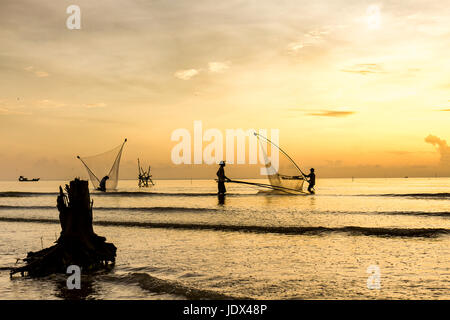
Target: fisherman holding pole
(311,181)
(221,178)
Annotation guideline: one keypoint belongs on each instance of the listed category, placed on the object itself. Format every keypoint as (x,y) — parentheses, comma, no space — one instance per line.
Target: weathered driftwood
(78,244)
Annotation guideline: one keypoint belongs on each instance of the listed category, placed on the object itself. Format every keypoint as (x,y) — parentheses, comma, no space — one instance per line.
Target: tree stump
(77,244)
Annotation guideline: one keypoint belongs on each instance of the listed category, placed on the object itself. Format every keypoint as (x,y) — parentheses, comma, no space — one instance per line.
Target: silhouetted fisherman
(312,180)
(102,186)
(221,178)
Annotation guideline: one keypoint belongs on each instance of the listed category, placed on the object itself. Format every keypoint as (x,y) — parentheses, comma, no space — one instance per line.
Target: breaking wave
(156,285)
(314,230)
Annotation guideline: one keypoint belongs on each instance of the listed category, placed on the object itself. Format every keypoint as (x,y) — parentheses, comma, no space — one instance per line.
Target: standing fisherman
(221,178)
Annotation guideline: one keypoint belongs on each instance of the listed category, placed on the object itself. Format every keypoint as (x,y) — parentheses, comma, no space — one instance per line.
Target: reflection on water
(221,199)
(87,289)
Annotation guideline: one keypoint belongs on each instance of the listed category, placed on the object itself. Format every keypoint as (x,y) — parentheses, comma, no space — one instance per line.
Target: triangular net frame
(289,177)
(104,164)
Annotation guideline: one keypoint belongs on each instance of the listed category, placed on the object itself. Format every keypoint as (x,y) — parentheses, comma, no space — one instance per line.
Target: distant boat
(23,179)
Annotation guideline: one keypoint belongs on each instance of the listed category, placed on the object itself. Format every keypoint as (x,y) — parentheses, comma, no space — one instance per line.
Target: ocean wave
(151,194)
(156,285)
(18,194)
(139,209)
(393,213)
(430,214)
(288,230)
(441,195)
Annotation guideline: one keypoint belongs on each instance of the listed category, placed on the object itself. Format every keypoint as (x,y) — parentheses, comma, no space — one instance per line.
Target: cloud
(213,67)
(364,68)
(39,74)
(309,39)
(444,110)
(218,66)
(186,74)
(8,108)
(95,105)
(400,153)
(331,113)
(442,147)
(50,104)
(294,47)
(5,112)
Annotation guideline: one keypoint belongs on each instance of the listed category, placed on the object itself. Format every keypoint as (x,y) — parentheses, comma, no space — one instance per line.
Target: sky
(356,88)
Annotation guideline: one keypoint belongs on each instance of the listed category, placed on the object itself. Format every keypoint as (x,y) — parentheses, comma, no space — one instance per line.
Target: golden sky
(355,87)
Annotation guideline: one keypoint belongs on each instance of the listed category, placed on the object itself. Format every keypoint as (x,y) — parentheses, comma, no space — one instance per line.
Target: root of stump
(77,245)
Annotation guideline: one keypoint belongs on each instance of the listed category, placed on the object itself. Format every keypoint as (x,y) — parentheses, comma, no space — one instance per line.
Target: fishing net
(283,174)
(104,164)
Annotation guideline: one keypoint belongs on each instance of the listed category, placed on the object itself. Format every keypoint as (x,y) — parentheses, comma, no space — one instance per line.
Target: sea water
(178,240)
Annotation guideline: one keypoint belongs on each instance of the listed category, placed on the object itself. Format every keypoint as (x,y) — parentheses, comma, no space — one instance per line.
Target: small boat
(23,179)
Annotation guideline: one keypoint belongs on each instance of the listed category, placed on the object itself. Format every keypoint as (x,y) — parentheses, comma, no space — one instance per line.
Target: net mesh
(288,177)
(104,164)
